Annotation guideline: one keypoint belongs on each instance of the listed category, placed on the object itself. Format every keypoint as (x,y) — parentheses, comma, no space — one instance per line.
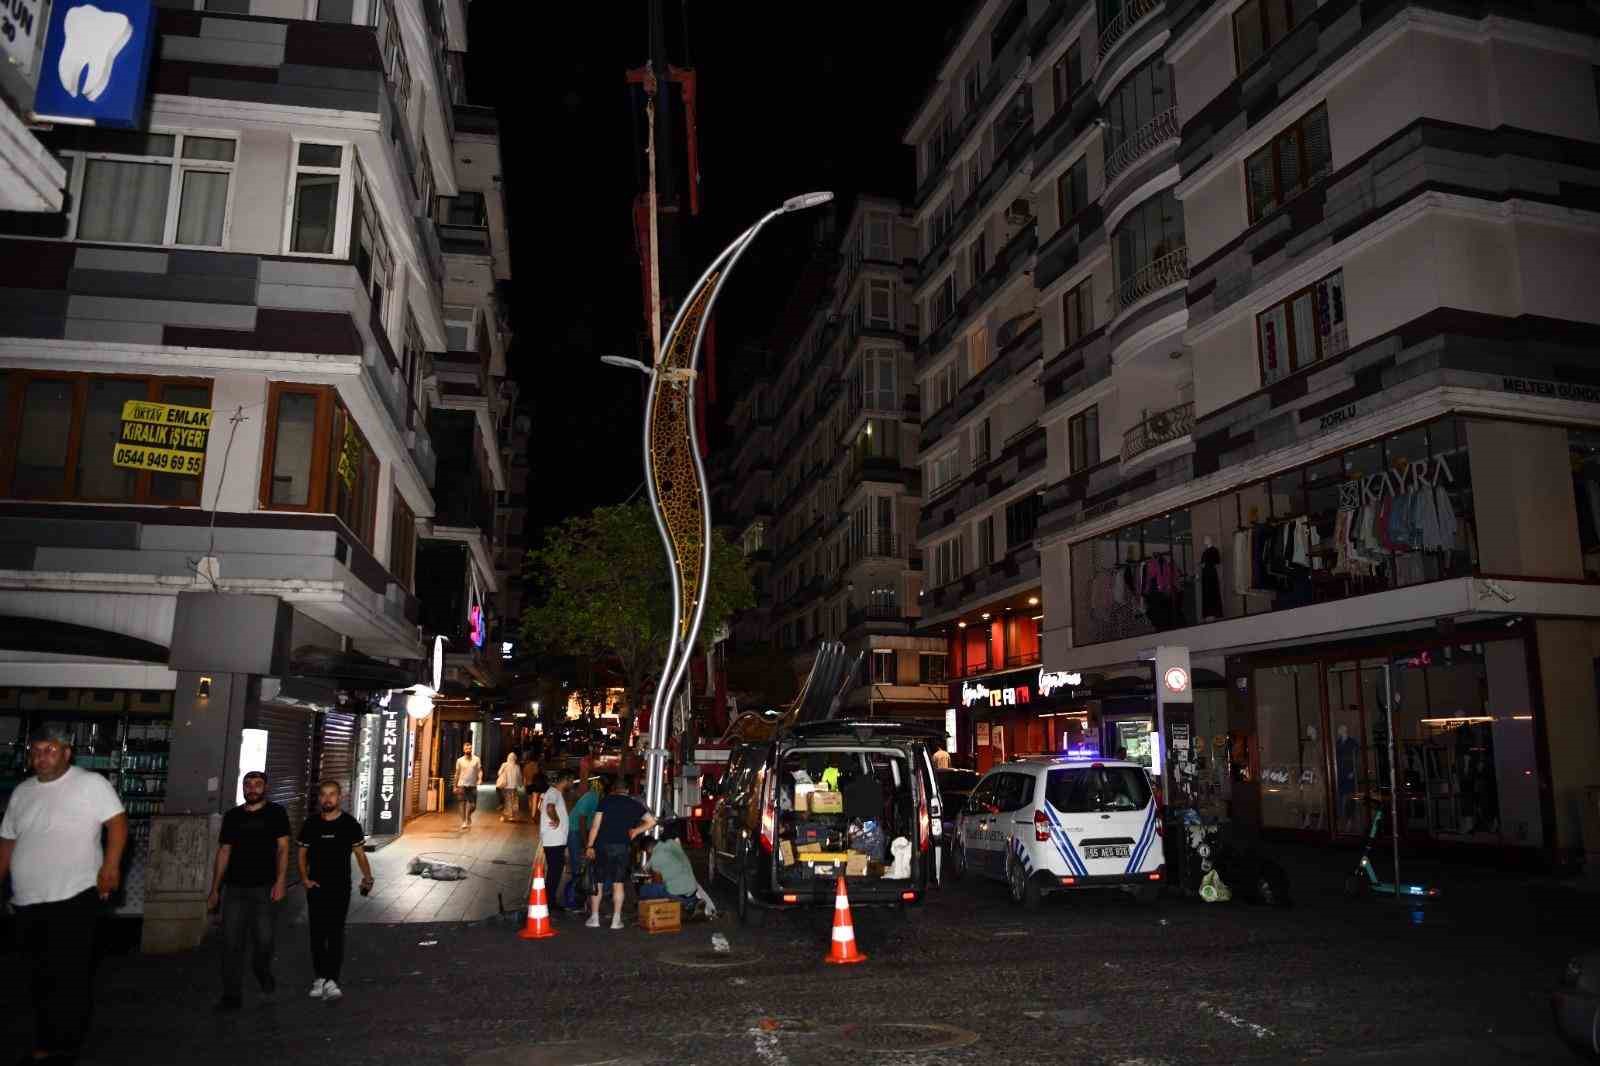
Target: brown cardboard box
(827,803)
(808,849)
(786,852)
(856,865)
(660,915)
(802,798)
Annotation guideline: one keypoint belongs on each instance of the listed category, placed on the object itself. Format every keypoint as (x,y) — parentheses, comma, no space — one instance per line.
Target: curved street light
(676,477)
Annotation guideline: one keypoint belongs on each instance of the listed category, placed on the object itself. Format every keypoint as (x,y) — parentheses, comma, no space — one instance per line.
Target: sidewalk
(496,855)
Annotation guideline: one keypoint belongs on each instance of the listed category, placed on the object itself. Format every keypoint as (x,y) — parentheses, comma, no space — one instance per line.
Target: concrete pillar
(202,779)
(1572,728)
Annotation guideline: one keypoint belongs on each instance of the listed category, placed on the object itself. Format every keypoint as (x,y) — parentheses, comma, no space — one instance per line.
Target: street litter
(426,943)
(719,942)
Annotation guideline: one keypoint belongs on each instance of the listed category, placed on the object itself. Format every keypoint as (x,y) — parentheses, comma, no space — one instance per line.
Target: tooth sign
(94,39)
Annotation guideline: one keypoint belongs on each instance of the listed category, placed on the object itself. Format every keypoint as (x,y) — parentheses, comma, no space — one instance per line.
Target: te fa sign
(971,695)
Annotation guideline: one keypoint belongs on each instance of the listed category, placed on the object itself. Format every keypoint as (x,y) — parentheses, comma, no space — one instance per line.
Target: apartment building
(1324,411)
(232,383)
(833,530)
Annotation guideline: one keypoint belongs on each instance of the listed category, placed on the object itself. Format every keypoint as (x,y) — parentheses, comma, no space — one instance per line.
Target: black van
(884,789)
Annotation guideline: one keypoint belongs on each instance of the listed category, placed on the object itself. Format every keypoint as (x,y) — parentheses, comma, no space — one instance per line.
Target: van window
(1085,789)
(1013,792)
(982,797)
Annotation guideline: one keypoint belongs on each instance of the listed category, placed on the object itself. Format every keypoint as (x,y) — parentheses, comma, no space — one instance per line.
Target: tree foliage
(604,593)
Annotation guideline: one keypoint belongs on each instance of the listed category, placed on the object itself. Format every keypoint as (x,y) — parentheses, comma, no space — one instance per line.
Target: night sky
(817,101)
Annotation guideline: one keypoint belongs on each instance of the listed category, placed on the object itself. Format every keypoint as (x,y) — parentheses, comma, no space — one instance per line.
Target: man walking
(550,813)
(579,817)
(617,820)
(251,868)
(60,873)
(469,771)
(327,841)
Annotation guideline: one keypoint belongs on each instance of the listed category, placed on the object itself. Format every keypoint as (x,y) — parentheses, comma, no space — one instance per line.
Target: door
(1107,818)
(1129,738)
(1014,797)
(974,824)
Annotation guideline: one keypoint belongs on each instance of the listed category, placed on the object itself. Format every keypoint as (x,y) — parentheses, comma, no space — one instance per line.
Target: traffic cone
(538,925)
(843,949)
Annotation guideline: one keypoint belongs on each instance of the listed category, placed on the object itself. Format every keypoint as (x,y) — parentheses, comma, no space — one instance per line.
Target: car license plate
(1105,851)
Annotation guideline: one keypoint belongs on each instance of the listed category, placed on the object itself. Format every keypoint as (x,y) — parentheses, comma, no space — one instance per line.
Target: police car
(1061,824)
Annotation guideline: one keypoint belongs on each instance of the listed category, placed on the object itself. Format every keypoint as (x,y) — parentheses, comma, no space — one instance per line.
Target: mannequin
(1345,753)
(1210,584)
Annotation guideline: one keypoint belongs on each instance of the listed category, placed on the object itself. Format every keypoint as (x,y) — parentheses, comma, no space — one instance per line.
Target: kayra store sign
(96,62)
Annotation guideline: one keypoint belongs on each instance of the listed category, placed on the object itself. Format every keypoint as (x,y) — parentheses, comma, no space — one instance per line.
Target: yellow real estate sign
(163,437)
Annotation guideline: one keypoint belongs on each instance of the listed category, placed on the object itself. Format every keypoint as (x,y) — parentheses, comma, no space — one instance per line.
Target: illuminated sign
(388,775)
(998,697)
(1050,680)
(96,62)
(252,756)
(1176,679)
(1016,688)
(475,621)
(167,438)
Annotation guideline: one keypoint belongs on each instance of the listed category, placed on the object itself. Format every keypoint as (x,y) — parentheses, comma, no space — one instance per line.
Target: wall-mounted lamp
(203,690)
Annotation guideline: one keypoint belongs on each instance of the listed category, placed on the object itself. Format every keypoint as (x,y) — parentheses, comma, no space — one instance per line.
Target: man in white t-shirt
(50,846)
(469,772)
(550,811)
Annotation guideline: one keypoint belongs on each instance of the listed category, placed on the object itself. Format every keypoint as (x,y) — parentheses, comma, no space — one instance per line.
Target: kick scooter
(1364,880)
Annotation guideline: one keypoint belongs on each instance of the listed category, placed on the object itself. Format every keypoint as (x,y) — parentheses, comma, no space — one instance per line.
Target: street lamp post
(676,477)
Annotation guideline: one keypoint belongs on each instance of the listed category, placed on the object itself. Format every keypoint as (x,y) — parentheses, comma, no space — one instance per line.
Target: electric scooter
(1364,880)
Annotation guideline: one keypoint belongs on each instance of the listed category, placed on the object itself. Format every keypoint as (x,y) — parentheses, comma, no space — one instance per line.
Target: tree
(604,593)
(762,674)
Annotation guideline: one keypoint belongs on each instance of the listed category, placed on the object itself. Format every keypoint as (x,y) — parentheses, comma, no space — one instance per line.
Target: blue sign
(96,62)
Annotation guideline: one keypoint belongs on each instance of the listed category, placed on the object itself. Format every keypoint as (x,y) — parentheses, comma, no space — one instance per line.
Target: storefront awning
(66,638)
(348,670)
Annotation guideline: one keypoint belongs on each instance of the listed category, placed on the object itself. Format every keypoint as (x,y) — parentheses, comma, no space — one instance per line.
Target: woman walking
(507,782)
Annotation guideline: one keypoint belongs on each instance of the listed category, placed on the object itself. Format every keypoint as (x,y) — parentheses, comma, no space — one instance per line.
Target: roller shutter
(336,752)
(289,779)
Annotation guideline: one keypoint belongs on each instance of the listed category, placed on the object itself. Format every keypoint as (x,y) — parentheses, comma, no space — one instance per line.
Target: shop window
(1584,445)
(1303,329)
(1258,26)
(1290,163)
(1289,726)
(69,426)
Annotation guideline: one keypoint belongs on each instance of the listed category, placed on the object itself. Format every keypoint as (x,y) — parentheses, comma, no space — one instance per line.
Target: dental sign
(96,63)
(1010,693)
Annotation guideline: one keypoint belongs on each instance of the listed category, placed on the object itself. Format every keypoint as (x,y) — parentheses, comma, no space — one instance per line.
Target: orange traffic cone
(538,925)
(843,950)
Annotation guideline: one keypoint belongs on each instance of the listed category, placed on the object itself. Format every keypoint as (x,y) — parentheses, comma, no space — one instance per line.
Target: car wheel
(1024,889)
(748,913)
(711,863)
(958,860)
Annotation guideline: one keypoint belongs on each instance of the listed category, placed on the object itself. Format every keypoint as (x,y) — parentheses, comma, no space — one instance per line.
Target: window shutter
(1288,149)
(1319,152)
(1258,179)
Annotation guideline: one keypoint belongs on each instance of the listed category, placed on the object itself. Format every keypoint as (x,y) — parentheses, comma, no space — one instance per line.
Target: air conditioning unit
(1020,211)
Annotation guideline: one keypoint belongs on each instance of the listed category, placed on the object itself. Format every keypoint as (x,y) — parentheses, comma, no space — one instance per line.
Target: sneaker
(616,921)
(330,992)
(227,1003)
(593,922)
(319,987)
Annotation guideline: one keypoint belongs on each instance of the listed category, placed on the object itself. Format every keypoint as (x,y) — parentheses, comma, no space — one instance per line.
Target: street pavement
(967,979)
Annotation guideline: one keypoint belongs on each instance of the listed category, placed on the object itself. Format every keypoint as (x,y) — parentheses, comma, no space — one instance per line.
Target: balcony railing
(1159,130)
(1163,427)
(875,545)
(1170,269)
(1133,12)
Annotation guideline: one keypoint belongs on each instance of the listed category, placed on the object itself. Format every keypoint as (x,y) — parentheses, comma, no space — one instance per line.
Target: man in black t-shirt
(327,841)
(619,818)
(248,882)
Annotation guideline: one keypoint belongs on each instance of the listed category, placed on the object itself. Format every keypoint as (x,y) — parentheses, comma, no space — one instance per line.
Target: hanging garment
(1241,561)
(1210,585)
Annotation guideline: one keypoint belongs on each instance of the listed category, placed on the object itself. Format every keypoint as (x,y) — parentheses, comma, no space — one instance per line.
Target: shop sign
(1370,490)
(388,772)
(1016,688)
(349,456)
(1348,413)
(1558,390)
(96,62)
(1012,696)
(1050,680)
(983,734)
(20,21)
(166,438)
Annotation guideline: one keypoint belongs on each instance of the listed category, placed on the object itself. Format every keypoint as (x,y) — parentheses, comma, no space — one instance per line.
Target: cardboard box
(802,797)
(856,865)
(786,852)
(809,849)
(660,915)
(827,803)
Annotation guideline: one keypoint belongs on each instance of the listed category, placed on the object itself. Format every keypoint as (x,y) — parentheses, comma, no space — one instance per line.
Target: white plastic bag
(901,850)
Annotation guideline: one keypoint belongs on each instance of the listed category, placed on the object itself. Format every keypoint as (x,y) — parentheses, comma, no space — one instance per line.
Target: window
(980,257)
(402,542)
(941,143)
(318,459)
(371,250)
(67,427)
(880,236)
(880,304)
(411,363)
(394,59)
(880,439)
(149,188)
(1083,440)
(947,563)
(292,442)
(971,89)
(980,443)
(1066,76)
(944,300)
(878,379)
(1258,26)
(1136,102)
(1007,25)
(883,666)
(426,189)
(1072,191)
(313,222)
(466,209)
(343,11)
(459,325)
(1022,519)
(1152,231)
(1097,789)
(1077,312)
(1017,117)
(1296,157)
(986,541)
(978,353)
(933,668)
(1012,792)
(1304,329)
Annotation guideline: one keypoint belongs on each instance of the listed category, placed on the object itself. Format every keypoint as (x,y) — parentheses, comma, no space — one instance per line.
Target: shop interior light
(961,625)
(1522,718)
(985,616)
(1461,719)
(1033,601)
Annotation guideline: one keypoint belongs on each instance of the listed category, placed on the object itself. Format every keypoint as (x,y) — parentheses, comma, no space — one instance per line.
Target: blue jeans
(569,894)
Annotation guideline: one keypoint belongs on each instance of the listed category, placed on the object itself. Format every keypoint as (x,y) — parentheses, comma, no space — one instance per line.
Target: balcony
(1133,12)
(881,617)
(876,545)
(464,240)
(1163,427)
(1170,269)
(432,253)
(1141,142)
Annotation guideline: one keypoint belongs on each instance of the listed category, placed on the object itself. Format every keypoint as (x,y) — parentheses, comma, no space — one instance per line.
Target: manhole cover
(571,1053)
(900,1036)
(709,958)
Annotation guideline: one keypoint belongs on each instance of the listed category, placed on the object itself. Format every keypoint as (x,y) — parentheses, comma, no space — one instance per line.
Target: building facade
(1318,401)
(275,245)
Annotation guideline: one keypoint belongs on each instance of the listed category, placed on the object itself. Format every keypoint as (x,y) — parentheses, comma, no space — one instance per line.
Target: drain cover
(709,958)
(899,1036)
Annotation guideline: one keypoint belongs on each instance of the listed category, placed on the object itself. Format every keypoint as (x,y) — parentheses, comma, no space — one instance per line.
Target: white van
(1062,824)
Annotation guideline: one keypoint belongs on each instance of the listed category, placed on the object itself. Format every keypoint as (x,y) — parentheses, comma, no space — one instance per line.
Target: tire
(749,914)
(711,865)
(1024,889)
(958,860)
